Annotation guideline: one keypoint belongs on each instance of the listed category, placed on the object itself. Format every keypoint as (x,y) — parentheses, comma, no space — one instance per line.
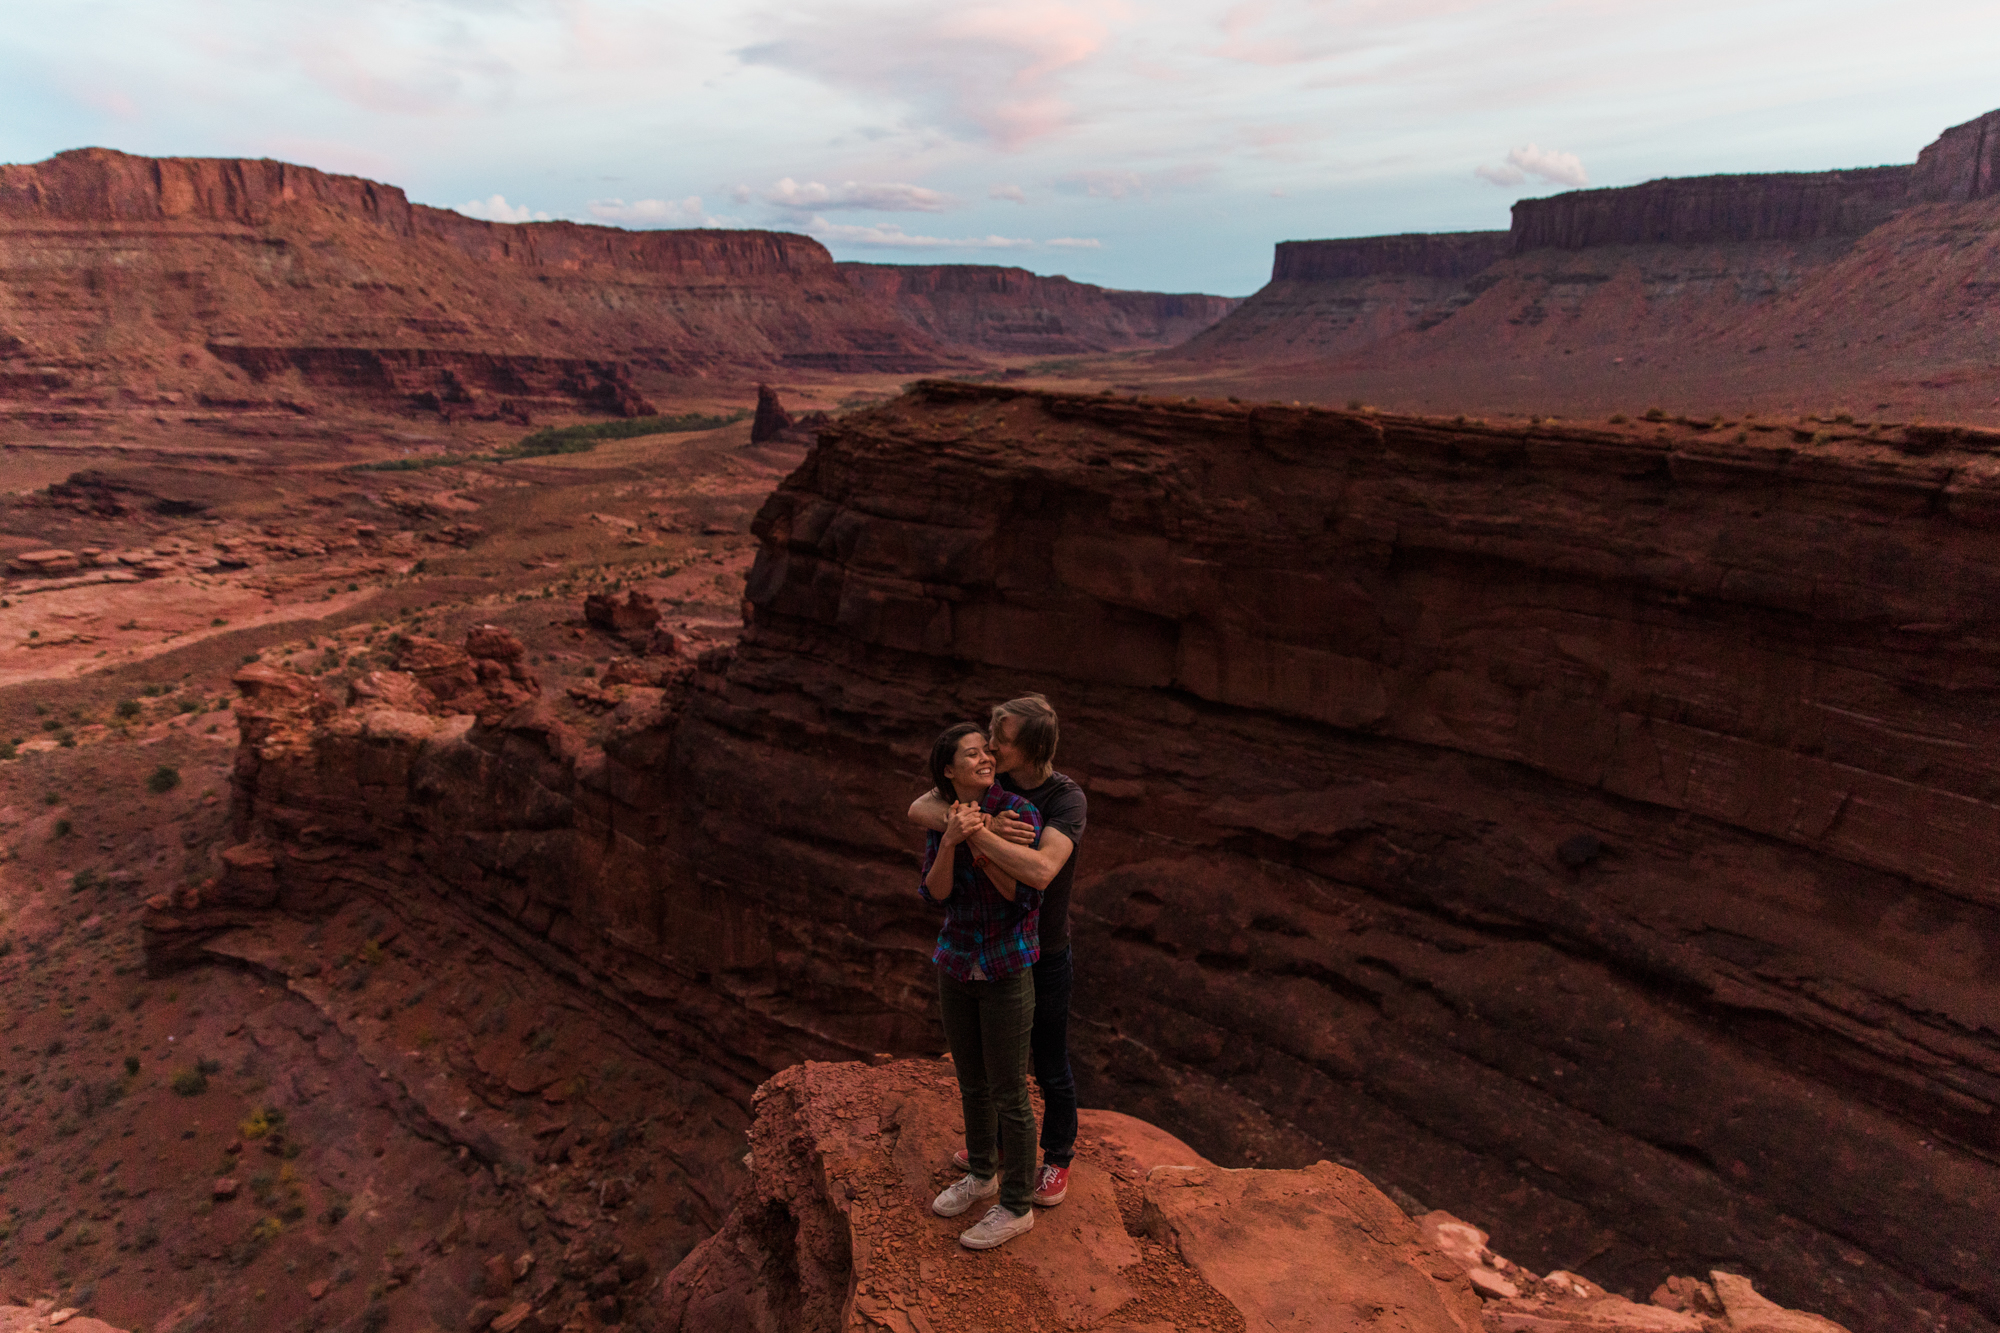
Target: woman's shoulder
(1020,805)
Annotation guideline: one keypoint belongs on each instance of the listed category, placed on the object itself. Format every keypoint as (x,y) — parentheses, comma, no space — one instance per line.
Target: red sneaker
(1051,1186)
(963,1159)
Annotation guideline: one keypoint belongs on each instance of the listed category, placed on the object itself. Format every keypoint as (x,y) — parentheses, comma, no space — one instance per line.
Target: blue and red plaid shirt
(984,934)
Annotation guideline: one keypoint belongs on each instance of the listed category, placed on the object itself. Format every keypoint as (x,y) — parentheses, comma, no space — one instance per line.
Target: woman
(985,958)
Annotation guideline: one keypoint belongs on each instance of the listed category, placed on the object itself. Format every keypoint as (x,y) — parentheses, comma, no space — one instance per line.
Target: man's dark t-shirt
(1063,806)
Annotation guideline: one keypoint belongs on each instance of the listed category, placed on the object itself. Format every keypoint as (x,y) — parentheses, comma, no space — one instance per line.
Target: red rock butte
(1813,289)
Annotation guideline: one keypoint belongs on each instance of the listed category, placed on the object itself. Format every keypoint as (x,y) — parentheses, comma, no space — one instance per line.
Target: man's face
(1005,752)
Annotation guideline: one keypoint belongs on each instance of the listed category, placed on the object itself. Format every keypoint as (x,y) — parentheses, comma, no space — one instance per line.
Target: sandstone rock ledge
(835,1232)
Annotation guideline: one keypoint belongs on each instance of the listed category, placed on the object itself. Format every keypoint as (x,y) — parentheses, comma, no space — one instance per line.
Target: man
(1023,735)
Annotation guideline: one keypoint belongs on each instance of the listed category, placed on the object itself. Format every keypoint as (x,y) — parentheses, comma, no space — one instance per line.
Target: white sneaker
(996,1228)
(962,1194)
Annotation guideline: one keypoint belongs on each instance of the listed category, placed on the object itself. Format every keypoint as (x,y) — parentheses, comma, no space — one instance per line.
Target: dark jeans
(1049,1045)
(986,1024)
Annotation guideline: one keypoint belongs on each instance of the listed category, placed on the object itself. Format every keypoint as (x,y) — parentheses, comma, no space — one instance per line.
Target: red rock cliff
(1013,311)
(1714,293)
(1963,164)
(1702,210)
(1445,255)
(1587,832)
(128,278)
(1326,298)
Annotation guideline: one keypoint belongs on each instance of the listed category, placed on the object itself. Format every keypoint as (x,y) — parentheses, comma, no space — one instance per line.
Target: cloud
(885,197)
(889,236)
(1013,192)
(1126,184)
(990,72)
(1074,243)
(686,212)
(497,209)
(1544,163)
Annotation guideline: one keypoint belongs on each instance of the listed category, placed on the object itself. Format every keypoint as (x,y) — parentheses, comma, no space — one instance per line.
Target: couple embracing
(1000,860)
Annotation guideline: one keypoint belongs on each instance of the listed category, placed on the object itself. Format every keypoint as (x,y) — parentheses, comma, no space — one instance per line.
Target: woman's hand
(965,820)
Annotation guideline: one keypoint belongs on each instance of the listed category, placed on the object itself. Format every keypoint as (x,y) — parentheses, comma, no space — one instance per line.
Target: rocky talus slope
(1712,290)
(1010,311)
(1588,832)
(163,281)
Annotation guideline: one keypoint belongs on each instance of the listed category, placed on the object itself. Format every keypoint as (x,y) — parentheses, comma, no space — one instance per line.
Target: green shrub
(163,779)
(189,1082)
(127,708)
(1656,414)
(131,1065)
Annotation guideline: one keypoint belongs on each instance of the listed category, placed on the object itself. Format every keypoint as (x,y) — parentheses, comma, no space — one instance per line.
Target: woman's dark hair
(945,749)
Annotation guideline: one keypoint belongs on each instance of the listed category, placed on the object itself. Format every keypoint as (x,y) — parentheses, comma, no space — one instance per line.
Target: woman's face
(973,762)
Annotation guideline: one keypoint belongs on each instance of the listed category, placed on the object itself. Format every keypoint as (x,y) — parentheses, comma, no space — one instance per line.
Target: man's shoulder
(1062,804)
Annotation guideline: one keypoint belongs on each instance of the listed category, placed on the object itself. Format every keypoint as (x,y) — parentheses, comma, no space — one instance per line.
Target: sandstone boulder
(1747,1312)
(1317,1248)
(486,678)
(633,617)
(391,689)
(835,1231)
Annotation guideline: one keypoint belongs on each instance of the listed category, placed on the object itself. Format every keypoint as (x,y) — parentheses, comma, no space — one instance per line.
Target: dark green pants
(986,1024)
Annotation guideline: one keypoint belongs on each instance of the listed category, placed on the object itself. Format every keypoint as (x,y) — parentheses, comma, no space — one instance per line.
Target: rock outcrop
(1330,297)
(1964,164)
(1707,210)
(1587,831)
(267,285)
(835,1231)
(1834,287)
(1012,312)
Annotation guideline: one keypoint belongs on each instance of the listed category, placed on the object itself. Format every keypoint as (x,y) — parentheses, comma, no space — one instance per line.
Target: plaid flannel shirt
(982,930)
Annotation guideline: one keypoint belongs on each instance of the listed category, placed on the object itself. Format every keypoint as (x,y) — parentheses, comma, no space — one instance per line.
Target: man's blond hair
(1036,733)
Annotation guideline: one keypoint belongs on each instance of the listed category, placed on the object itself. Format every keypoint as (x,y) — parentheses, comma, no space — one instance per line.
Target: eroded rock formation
(835,1232)
(263,284)
(1011,311)
(1724,289)
(1588,832)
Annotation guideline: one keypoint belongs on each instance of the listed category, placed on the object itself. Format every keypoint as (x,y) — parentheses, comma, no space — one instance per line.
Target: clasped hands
(966,819)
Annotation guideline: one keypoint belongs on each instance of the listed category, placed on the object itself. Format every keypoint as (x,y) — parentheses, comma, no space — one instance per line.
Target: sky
(1163,146)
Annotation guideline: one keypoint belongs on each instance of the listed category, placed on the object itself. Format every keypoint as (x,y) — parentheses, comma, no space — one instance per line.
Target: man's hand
(1011,827)
(929,811)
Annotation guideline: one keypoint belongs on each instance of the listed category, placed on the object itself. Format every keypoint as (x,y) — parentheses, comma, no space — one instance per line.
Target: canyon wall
(1326,298)
(1964,163)
(1588,832)
(1835,286)
(136,282)
(1703,210)
(1010,311)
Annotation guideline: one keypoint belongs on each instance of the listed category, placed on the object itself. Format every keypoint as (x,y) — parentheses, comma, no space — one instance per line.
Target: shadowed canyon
(456,762)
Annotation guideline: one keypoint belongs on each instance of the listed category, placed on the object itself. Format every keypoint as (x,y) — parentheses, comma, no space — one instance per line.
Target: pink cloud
(989,71)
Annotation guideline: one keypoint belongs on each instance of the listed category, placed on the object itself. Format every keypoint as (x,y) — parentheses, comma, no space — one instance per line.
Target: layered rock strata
(1330,297)
(1874,277)
(267,284)
(1588,832)
(1010,311)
